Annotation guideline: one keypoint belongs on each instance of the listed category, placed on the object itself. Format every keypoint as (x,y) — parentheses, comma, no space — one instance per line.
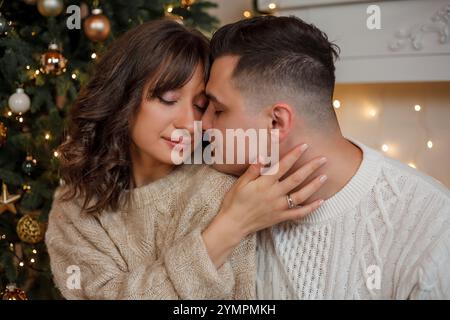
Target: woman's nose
(185,119)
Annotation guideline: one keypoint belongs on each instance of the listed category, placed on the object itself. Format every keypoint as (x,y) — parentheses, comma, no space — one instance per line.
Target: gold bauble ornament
(97,26)
(187,3)
(52,61)
(3,133)
(30,230)
(11,292)
(50,8)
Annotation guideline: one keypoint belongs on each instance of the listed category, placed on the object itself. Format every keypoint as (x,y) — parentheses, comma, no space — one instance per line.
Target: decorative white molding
(440,24)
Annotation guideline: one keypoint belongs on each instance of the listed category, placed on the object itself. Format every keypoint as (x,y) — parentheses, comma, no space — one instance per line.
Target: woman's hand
(257,201)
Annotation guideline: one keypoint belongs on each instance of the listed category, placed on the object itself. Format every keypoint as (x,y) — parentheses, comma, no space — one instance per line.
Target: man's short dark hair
(281,58)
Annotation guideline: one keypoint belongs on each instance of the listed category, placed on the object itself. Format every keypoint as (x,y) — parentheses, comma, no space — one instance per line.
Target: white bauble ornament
(19,102)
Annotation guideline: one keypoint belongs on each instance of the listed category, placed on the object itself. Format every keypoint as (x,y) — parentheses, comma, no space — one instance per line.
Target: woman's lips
(174,143)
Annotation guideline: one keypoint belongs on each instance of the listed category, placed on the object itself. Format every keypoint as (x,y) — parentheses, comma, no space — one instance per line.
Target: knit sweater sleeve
(429,278)
(432,275)
(86,264)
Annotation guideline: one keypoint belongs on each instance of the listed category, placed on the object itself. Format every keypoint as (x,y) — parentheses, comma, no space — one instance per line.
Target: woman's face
(158,117)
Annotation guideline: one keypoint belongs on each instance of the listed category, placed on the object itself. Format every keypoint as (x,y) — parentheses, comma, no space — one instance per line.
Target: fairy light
(21,263)
(412,165)
(385,148)
(272,6)
(36,72)
(169,9)
(47,136)
(336,104)
(247,14)
(34,251)
(20,119)
(93,55)
(3,236)
(372,113)
(74,76)
(32,260)
(28,67)
(430,144)
(9,113)
(56,154)
(417,107)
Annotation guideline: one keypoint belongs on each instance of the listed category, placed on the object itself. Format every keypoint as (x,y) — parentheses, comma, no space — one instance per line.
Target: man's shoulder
(405,175)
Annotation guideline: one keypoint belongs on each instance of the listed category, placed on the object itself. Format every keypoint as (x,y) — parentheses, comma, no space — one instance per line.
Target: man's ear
(282,118)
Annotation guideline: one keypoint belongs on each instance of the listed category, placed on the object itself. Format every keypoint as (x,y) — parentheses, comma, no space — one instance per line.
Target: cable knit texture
(154,248)
(385,235)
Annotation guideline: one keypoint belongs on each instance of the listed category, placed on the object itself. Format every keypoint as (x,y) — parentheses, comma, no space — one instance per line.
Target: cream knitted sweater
(154,250)
(385,235)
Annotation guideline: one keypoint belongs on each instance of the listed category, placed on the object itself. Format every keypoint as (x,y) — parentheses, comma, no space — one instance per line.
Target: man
(383,231)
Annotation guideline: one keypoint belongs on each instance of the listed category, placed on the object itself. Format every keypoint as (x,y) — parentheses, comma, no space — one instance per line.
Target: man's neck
(343,161)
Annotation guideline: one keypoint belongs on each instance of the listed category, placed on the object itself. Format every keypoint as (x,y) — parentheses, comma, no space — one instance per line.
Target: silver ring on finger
(291,204)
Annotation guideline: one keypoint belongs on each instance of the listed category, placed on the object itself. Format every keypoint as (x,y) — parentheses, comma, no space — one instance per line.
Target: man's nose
(207,118)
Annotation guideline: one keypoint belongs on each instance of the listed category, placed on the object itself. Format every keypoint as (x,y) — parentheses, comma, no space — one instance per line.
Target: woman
(128,223)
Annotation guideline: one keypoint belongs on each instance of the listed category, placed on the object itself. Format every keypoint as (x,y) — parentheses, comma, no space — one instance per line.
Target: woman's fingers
(278,170)
(307,191)
(294,214)
(299,176)
(252,172)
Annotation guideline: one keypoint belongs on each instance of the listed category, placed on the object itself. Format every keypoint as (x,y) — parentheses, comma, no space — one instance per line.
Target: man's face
(227,110)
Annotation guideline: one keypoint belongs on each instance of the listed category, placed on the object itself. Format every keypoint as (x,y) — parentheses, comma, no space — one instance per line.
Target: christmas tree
(48,49)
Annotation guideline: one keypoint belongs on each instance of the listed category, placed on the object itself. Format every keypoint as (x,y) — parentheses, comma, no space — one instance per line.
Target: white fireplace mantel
(413,43)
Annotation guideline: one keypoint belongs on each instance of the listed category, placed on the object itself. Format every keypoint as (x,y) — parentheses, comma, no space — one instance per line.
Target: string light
(36,72)
(417,107)
(385,148)
(21,263)
(3,236)
(20,119)
(272,6)
(28,67)
(430,144)
(169,9)
(372,113)
(247,14)
(34,251)
(412,165)
(93,55)
(74,76)
(47,136)
(56,154)
(336,104)
(32,260)
(9,113)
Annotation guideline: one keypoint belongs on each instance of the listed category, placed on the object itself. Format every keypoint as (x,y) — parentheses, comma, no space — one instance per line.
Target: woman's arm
(85,248)
(257,202)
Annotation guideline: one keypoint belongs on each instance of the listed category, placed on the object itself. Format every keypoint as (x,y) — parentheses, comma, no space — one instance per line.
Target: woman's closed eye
(167,102)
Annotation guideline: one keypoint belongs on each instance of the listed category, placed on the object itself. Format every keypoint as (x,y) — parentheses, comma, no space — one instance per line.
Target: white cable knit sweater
(385,235)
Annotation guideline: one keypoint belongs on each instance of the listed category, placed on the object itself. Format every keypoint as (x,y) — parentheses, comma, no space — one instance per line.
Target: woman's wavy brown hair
(95,158)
